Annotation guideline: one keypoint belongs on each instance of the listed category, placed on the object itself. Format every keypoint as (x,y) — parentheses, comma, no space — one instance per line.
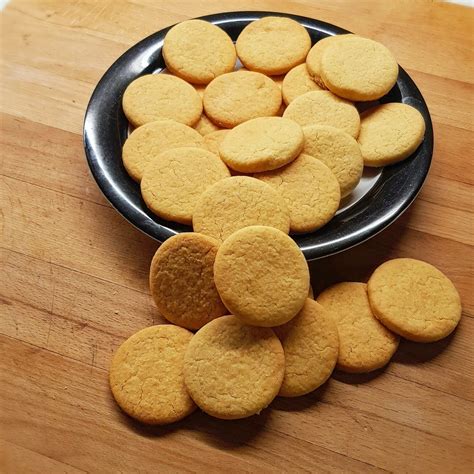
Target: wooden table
(74,273)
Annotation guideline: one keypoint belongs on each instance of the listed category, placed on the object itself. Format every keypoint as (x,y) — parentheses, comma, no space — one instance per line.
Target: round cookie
(233,370)
(146,375)
(262,276)
(414,299)
(182,280)
(364,344)
(161,96)
(324,108)
(198,51)
(358,68)
(310,189)
(214,139)
(145,143)
(389,133)
(262,144)
(273,45)
(238,202)
(311,344)
(204,126)
(297,82)
(239,96)
(338,151)
(173,182)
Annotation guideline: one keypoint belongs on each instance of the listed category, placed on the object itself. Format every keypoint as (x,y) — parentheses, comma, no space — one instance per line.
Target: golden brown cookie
(297,82)
(146,375)
(414,299)
(233,370)
(161,96)
(173,182)
(262,276)
(205,126)
(364,344)
(214,139)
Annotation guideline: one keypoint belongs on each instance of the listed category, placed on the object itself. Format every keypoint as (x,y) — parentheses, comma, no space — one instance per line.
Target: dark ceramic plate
(379,199)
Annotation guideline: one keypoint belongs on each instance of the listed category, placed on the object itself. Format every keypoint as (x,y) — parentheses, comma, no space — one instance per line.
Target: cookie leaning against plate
(297,82)
(414,299)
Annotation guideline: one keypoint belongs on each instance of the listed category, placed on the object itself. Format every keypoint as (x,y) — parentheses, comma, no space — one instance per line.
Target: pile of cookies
(278,142)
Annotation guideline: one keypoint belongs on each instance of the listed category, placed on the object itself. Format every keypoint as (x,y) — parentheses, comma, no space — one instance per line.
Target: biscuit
(364,344)
(238,202)
(297,82)
(205,126)
(145,143)
(310,342)
(273,45)
(146,375)
(198,51)
(233,370)
(310,292)
(389,133)
(239,96)
(214,139)
(161,96)
(310,189)
(182,280)
(324,108)
(262,144)
(262,276)
(358,68)
(338,151)
(414,299)
(173,182)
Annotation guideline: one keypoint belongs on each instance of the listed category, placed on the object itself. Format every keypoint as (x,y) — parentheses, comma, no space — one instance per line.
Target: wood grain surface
(74,273)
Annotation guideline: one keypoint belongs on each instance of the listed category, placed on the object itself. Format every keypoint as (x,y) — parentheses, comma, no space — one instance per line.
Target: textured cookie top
(146,375)
(364,343)
(233,370)
(414,299)
(324,108)
(273,45)
(239,96)
(261,275)
(297,82)
(161,96)
(262,144)
(214,139)
(390,133)
(173,182)
(198,51)
(205,126)
(311,344)
(182,280)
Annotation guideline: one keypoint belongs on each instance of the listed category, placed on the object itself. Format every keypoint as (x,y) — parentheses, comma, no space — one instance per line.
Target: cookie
(205,126)
(324,108)
(182,280)
(310,292)
(239,96)
(310,342)
(262,144)
(161,96)
(198,51)
(310,189)
(238,202)
(233,370)
(338,151)
(273,45)
(414,299)
(358,68)
(262,276)
(297,82)
(364,344)
(389,133)
(145,143)
(173,182)
(214,139)
(146,375)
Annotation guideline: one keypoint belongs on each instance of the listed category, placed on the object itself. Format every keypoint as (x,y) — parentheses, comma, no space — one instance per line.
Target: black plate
(106,128)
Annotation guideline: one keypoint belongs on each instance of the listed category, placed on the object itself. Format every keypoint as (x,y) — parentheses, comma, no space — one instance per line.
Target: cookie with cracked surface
(173,182)
(262,276)
(205,126)
(161,96)
(310,189)
(364,343)
(389,133)
(239,96)
(146,375)
(182,280)
(414,299)
(297,82)
(214,139)
(233,370)
(324,108)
